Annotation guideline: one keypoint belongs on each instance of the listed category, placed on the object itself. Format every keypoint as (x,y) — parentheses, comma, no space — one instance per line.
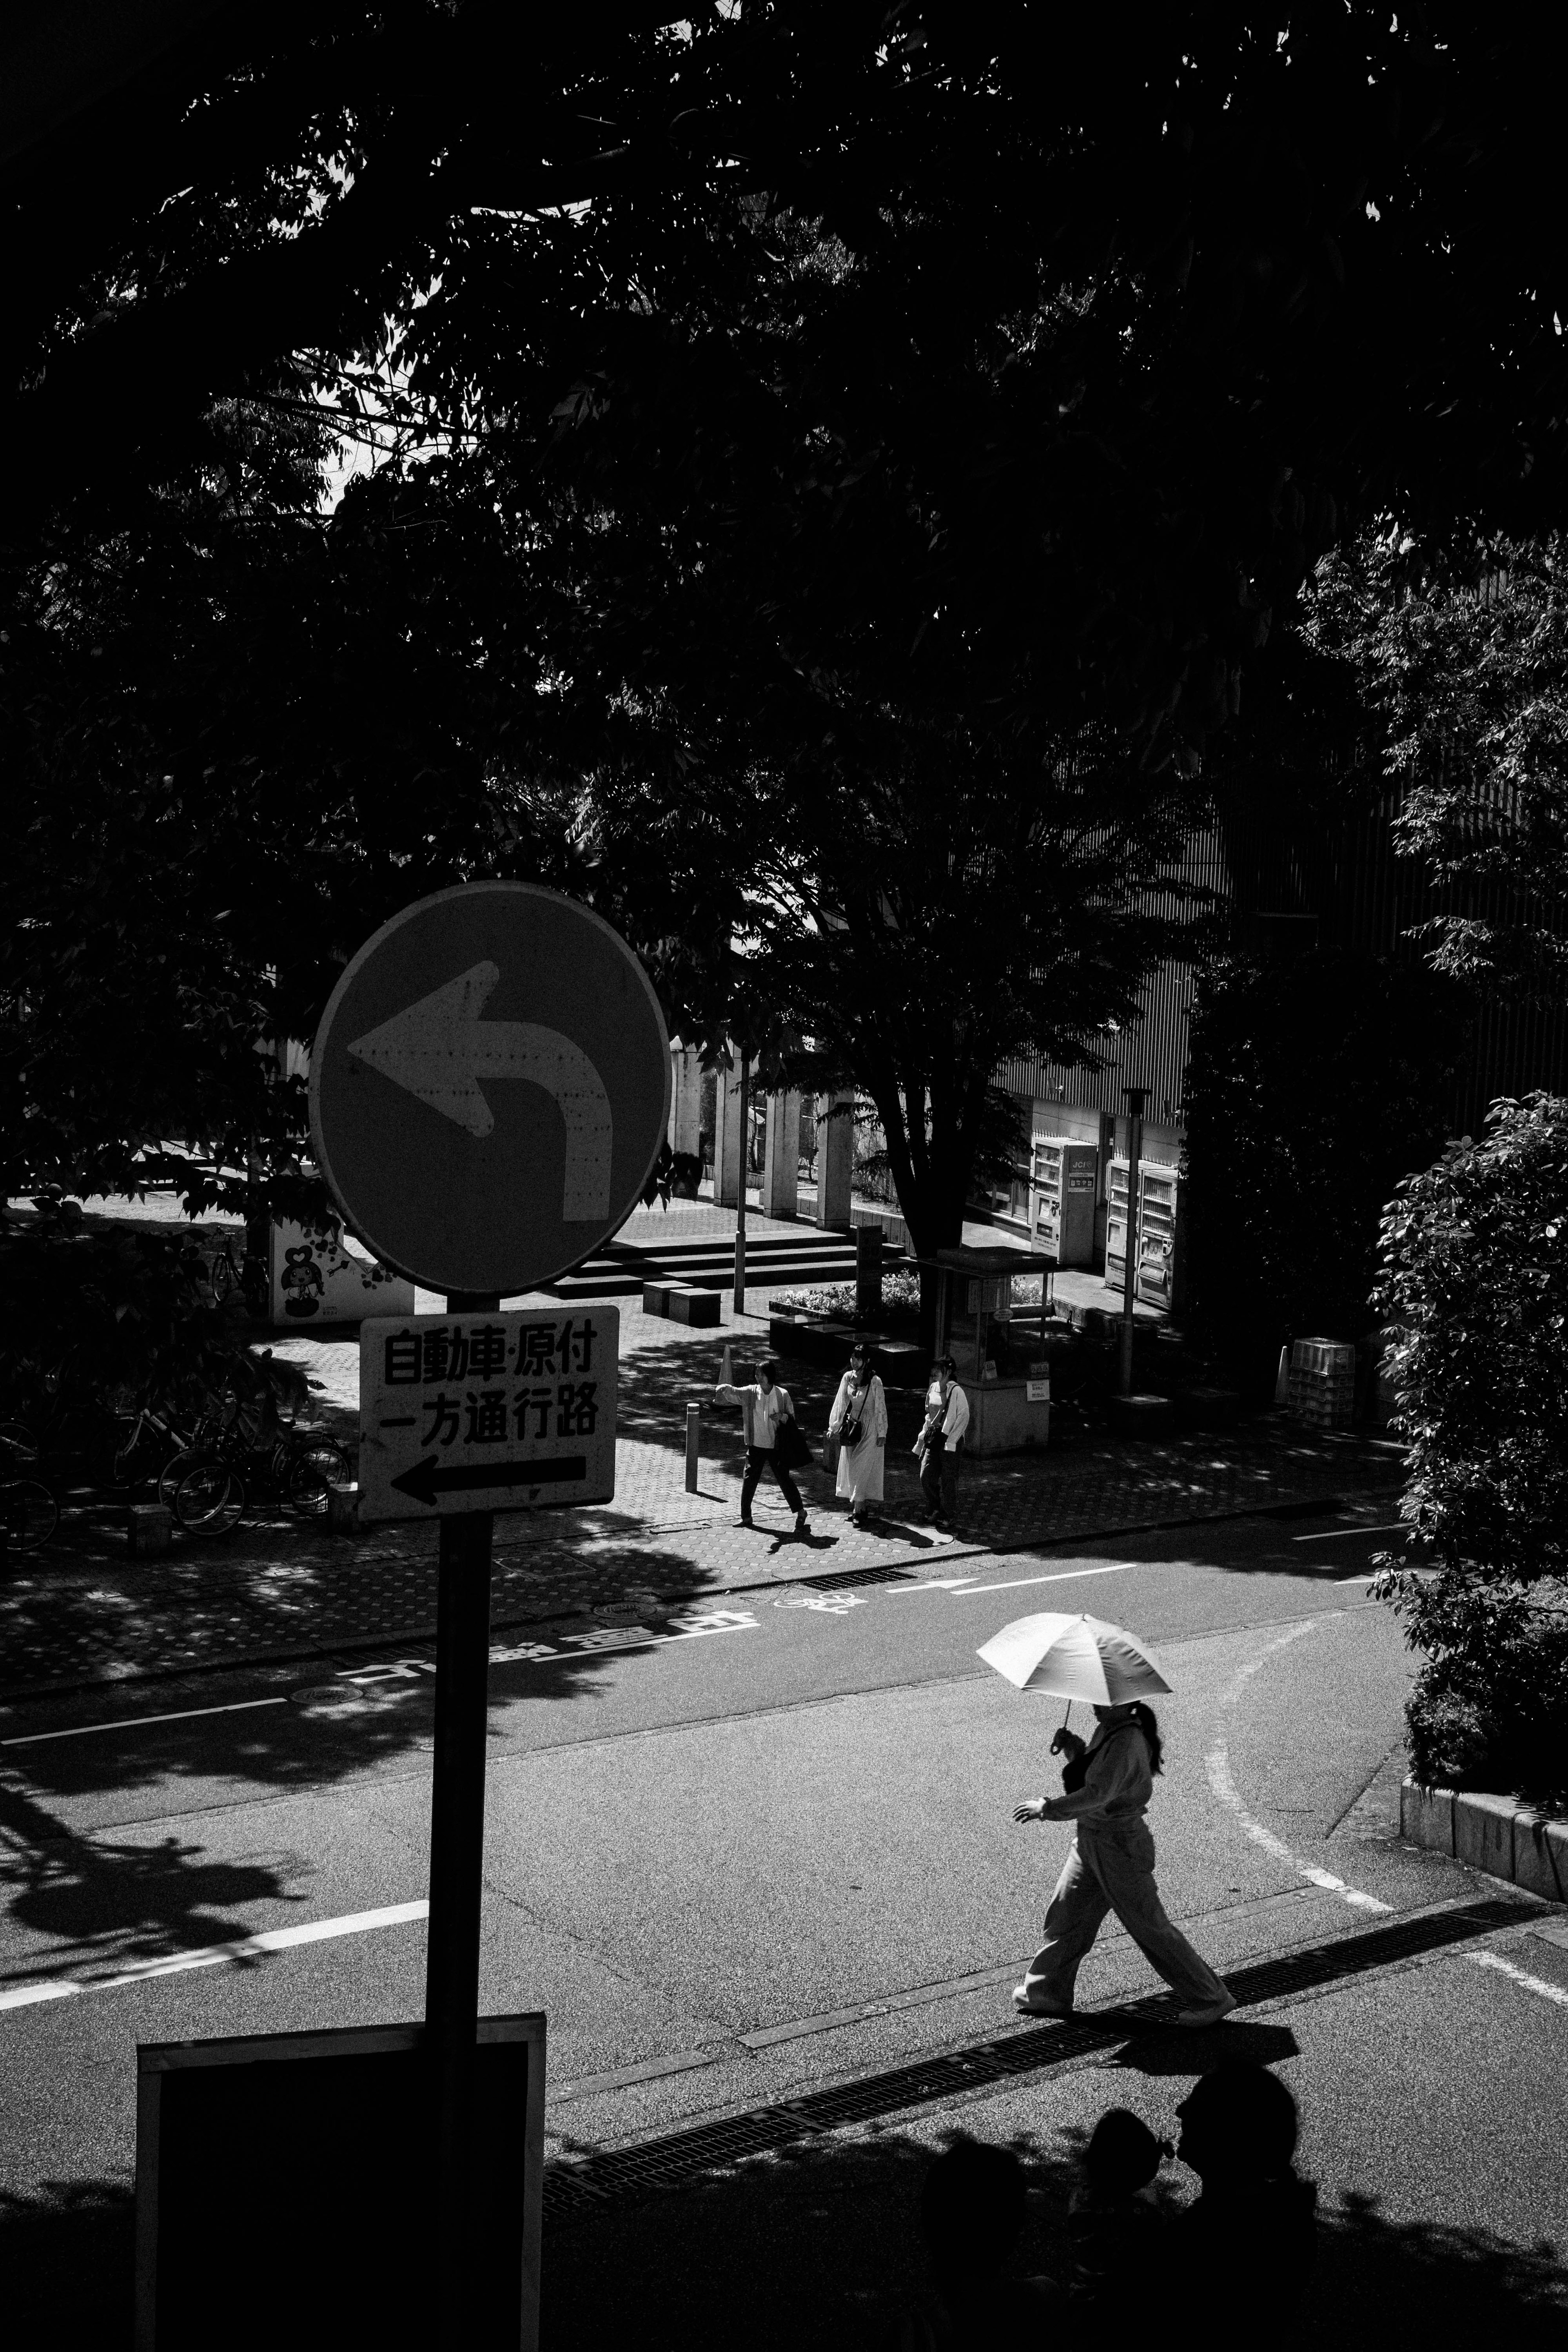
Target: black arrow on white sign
(429,1478)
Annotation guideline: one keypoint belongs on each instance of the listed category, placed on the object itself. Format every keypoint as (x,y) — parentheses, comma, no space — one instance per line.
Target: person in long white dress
(860,1411)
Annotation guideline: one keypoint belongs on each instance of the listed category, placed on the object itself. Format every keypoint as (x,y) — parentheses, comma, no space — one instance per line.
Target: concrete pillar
(781,1156)
(685,1099)
(727,1137)
(835,1159)
(867,1270)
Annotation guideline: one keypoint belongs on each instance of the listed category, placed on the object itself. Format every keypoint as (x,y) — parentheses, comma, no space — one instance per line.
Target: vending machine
(1159,1231)
(1062,1174)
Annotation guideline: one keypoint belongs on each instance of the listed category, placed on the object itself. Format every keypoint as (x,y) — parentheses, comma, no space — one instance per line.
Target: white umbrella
(1074,1657)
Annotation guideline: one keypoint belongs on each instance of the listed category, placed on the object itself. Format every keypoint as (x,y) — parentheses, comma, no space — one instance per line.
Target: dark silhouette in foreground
(1245,2250)
(1113,2226)
(972,2215)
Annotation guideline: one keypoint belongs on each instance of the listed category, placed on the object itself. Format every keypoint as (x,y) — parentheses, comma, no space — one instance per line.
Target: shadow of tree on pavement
(821,2247)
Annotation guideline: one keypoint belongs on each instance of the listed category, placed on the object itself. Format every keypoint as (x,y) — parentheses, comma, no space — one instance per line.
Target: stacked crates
(1320,1382)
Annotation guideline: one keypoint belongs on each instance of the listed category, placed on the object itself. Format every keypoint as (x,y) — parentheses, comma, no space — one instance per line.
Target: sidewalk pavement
(86,1613)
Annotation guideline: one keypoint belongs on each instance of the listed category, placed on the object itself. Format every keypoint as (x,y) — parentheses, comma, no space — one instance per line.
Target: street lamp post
(740,1192)
(1135,1097)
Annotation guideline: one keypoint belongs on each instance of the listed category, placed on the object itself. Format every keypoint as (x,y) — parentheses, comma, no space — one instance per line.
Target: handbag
(791,1451)
(850,1434)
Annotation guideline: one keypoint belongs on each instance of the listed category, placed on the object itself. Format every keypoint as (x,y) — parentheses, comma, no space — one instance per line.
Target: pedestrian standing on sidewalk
(947,1418)
(1106,1789)
(859,1422)
(763,1406)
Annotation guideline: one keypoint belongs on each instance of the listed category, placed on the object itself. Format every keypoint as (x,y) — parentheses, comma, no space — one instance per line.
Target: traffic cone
(1282,1379)
(727,1372)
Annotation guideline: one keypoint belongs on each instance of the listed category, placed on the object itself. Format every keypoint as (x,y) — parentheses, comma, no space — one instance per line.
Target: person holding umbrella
(1107,1786)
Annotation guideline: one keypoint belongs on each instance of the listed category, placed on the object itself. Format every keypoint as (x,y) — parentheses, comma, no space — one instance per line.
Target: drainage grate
(659,2164)
(836,1577)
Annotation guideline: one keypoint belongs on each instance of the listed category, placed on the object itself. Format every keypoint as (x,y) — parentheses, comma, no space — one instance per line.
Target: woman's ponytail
(1149,1725)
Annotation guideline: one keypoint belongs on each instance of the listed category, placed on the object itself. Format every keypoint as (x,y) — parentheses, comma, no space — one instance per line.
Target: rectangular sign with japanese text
(506,1412)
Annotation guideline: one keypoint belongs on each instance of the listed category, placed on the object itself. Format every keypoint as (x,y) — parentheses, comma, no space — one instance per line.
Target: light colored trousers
(1113,1870)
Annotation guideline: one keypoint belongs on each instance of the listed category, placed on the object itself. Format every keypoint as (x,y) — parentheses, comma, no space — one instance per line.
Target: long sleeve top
(955,1420)
(1117,1786)
(760,1412)
(869,1404)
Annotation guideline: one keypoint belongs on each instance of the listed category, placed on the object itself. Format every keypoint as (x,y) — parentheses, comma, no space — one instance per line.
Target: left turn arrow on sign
(440,1050)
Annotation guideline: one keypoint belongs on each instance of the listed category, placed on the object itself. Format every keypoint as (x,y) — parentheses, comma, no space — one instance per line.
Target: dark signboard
(286,2192)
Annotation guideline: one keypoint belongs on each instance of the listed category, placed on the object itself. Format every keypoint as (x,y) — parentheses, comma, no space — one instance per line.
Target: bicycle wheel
(31,1513)
(317,1465)
(209,1500)
(221,1276)
(18,1446)
(175,1469)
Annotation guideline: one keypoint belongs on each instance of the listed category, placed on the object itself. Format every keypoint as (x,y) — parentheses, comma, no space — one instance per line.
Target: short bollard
(150,1529)
(693,1445)
(343,1510)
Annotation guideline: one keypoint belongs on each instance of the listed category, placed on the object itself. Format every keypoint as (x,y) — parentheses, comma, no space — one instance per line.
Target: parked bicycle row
(208,1469)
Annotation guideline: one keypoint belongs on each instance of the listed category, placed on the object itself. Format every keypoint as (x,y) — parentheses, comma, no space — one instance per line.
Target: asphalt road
(748,1851)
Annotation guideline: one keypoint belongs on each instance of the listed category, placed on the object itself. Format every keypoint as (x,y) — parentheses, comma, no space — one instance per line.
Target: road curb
(1497,1834)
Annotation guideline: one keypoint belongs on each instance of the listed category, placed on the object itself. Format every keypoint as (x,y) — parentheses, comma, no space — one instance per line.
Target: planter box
(826,1340)
(1496,1834)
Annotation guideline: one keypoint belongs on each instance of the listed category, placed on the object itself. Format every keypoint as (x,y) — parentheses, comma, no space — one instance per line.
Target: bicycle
(29,1512)
(155,1441)
(208,1486)
(228,1280)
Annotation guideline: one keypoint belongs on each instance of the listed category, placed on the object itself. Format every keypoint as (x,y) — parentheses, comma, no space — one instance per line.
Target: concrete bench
(682,1302)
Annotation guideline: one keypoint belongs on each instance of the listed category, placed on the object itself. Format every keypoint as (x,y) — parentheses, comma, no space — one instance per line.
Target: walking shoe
(1029,2004)
(1208,2012)
(745,1520)
(802,1525)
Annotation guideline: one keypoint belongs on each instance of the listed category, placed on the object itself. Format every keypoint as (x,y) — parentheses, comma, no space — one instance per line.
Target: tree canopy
(837,469)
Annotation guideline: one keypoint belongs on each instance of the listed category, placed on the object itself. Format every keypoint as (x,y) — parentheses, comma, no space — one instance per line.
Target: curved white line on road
(217,1956)
(1217,1763)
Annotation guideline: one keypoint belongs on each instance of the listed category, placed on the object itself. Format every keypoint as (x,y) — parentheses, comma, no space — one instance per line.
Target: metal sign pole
(741,1191)
(457,1868)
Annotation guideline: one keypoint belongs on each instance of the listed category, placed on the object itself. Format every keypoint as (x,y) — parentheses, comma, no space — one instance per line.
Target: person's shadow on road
(812,1543)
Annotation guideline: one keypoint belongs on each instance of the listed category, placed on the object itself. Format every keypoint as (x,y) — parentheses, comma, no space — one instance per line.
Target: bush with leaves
(109,1319)
(1475,1289)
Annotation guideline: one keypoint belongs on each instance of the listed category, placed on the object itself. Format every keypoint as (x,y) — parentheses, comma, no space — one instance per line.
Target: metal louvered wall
(1288,883)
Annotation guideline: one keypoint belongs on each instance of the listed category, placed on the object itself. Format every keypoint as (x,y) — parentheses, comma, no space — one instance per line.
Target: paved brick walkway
(282,1588)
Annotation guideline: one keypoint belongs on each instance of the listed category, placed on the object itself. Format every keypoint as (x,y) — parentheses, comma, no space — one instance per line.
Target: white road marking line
(136,1722)
(1062,1575)
(1332,1535)
(1366,1579)
(936,1584)
(1218,1764)
(217,1956)
(1519,1976)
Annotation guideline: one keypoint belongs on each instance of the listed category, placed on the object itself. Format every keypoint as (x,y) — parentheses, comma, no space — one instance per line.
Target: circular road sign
(490,1087)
